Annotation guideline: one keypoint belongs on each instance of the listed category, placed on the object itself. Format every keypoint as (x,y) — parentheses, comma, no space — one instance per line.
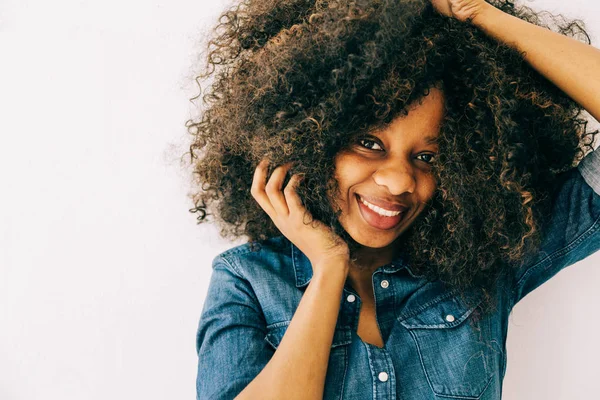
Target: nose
(397,177)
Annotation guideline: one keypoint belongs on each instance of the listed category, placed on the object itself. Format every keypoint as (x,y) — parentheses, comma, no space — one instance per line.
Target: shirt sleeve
(230,341)
(573,231)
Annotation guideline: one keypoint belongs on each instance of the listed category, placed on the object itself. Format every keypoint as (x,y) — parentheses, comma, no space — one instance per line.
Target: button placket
(382,370)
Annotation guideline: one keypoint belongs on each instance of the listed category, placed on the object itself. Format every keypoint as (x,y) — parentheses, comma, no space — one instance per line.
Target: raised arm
(572,66)
(572,229)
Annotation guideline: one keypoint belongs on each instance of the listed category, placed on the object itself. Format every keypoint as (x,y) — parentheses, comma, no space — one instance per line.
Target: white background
(103,270)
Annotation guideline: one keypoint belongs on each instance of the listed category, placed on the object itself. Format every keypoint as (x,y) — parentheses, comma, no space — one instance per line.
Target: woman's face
(391,169)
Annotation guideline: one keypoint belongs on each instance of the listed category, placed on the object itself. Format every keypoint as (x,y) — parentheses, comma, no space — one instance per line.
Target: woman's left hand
(462,10)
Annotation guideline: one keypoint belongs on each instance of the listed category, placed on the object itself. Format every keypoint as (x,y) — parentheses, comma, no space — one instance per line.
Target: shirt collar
(304,272)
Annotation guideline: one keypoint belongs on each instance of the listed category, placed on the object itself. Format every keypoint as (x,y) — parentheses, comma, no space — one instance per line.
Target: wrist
(483,14)
(331,268)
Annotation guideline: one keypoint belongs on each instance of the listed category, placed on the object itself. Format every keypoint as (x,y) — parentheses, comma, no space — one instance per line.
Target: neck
(365,261)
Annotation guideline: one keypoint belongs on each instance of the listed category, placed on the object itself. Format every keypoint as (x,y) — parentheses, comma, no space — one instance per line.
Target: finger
(273,189)
(258,188)
(291,195)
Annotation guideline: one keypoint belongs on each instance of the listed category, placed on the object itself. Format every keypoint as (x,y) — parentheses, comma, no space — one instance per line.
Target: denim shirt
(430,350)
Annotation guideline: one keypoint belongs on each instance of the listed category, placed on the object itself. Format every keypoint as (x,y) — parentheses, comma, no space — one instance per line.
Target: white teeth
(379,210)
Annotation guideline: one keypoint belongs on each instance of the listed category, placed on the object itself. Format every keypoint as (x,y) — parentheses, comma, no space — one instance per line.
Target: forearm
(572,66)
(298,368)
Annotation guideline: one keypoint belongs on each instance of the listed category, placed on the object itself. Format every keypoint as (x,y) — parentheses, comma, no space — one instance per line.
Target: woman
(406,172)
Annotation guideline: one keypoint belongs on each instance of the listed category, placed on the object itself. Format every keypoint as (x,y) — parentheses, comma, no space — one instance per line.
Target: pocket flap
(275,332)
(446,313)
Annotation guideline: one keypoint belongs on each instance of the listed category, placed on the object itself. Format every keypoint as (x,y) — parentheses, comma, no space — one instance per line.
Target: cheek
(427,189)
(349,170)
(340,174)
(343,162)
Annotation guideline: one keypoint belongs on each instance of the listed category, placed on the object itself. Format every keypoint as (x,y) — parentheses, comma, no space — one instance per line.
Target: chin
(376,240)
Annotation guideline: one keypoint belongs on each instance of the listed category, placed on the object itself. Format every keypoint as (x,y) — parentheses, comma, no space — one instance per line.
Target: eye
(428,155)
(366,140)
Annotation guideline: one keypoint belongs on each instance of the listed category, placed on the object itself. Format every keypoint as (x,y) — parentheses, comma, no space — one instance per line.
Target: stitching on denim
(345,349)
(429,379)
(453,324)
(372,368)
(426,305)
(245,247)
(392,376)
(238,250)
(412,335)
(230,264)
(238,274)
(295,262)
(278,324)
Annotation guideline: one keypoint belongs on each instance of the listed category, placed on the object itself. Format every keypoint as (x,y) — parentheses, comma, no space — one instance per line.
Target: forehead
(423,118)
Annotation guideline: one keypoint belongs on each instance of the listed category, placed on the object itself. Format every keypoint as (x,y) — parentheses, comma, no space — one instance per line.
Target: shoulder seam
(228,263)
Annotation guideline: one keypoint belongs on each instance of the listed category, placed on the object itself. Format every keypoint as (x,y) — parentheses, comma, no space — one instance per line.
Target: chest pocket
(453,349)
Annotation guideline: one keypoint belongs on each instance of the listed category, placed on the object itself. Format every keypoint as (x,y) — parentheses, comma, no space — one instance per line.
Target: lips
(383,204)
(376,220)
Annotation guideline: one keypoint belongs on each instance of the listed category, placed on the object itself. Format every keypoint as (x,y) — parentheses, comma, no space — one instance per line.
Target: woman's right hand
(315,240)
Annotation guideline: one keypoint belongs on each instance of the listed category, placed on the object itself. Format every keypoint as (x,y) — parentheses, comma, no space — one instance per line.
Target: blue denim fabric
(430,350)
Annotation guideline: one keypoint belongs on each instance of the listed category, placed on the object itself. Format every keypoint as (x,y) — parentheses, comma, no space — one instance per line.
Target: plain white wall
(103,271)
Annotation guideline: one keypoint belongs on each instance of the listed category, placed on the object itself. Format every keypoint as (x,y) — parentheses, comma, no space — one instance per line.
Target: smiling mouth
(377,220)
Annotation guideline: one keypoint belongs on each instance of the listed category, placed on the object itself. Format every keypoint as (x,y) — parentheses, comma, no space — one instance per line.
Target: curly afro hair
(299,80)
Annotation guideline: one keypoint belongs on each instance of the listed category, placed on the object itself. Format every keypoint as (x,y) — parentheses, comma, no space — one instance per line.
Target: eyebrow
(431,139)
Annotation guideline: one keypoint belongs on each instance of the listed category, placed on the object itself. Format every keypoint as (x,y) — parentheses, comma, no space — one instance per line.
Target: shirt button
(383,376)
(385,284)
(449,317)
(351,298)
